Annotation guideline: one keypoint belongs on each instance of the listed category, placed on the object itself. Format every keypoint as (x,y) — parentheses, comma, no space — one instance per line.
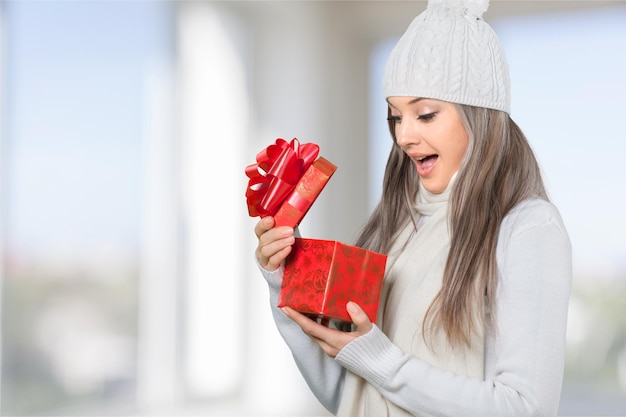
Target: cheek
(461,153)
(461,147)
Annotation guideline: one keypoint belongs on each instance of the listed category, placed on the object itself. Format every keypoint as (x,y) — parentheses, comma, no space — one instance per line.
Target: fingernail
(352,308)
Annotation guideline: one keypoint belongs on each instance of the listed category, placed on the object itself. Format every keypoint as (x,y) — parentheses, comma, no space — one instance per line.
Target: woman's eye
(394,119)
(426,117)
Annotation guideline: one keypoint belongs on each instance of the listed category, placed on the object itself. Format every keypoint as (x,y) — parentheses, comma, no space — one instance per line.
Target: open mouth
(428,160)
(425,164)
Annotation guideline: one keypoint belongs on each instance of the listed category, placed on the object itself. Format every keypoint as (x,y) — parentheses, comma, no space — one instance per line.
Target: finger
(330,350)
(310,327)
(271,238)
(263,225)
(359,317)
(302,320)
(275,245)
(273,262)
(330,340)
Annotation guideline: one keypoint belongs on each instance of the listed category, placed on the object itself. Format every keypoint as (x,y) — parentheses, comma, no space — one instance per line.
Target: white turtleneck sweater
(516,371)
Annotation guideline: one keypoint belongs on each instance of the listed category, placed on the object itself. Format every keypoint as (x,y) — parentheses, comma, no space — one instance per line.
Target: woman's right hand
(274,243)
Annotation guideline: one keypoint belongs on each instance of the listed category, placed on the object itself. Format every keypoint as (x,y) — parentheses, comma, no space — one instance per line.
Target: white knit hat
(450,53)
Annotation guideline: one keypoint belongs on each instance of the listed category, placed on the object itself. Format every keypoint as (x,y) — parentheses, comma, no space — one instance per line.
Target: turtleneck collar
(429,203)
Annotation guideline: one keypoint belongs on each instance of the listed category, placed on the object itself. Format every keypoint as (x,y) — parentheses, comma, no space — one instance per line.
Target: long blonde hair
(498,171)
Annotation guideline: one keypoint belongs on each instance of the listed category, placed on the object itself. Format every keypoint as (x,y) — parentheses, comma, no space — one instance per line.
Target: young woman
(473,311)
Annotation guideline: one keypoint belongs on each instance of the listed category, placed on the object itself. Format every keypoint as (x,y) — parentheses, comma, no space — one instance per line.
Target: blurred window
(78,78)
(568,75)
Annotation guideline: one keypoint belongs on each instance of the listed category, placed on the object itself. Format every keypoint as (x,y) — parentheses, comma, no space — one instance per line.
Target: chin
(433,188)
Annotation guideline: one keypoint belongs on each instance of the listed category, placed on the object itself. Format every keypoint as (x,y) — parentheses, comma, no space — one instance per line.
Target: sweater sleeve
(323,374)
(524,357)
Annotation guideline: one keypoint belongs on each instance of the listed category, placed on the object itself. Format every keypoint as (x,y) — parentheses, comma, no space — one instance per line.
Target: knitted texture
(450,53)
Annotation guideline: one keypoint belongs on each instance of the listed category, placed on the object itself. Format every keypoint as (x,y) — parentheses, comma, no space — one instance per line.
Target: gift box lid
(286,180)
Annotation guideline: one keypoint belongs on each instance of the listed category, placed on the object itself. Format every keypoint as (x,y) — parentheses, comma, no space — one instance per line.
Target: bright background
(128,286)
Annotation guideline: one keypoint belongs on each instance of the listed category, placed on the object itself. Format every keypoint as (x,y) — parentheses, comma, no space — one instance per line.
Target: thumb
(359,318)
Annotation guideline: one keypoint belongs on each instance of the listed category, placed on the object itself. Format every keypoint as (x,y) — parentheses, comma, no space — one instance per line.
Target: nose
(407,134)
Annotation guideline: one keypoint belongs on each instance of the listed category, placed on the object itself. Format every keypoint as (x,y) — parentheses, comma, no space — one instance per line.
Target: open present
(321,276)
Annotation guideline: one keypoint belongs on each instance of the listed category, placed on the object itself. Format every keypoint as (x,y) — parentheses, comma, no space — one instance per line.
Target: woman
(473,311)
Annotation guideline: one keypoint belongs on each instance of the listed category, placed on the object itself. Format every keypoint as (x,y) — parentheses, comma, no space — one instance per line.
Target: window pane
(72,170)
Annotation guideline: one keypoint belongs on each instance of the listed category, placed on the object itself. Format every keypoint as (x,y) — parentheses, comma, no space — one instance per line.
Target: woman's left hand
(331,340)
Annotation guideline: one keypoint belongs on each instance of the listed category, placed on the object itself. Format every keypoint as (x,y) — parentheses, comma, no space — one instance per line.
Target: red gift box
(321,276)
(286,180)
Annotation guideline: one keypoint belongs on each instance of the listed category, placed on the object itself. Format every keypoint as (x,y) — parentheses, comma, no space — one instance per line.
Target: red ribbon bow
(274,176)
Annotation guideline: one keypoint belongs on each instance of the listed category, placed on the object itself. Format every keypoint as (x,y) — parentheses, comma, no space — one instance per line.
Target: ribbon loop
(274,176)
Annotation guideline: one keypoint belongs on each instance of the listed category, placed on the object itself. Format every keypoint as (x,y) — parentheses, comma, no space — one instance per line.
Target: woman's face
(432,134)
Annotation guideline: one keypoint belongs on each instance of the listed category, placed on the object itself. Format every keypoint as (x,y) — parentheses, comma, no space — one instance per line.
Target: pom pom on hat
(477,7)
(474,8)
(449,53)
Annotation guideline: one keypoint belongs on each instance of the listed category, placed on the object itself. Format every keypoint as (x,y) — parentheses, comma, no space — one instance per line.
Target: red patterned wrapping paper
(321,276)
(295,207)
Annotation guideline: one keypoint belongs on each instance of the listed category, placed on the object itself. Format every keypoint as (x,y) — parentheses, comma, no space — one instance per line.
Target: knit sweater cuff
(372,356)
(274,278)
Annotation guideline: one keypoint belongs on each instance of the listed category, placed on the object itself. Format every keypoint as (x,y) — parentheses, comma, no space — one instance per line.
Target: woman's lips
(426,165)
